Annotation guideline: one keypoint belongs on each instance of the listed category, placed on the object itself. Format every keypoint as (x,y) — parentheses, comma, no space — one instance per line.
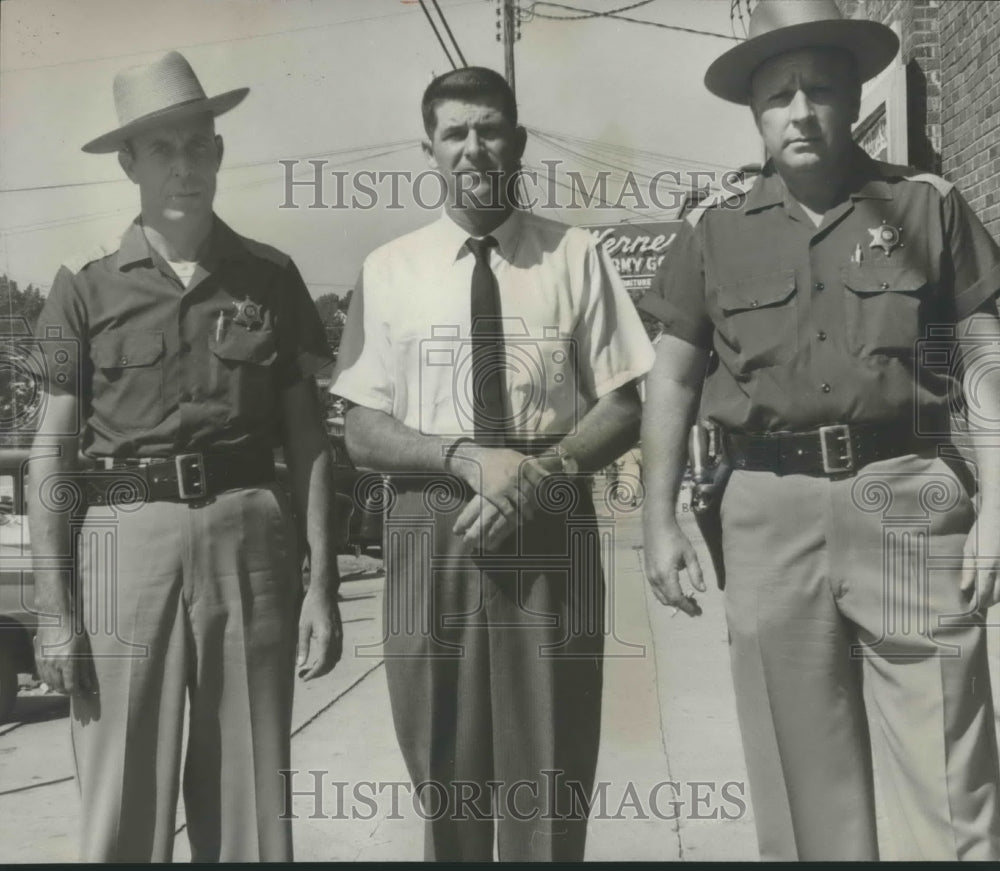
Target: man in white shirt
(490,360)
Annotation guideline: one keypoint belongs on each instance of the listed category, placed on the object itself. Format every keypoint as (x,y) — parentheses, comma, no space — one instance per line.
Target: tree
(17,303)
(20,380)
(329,307)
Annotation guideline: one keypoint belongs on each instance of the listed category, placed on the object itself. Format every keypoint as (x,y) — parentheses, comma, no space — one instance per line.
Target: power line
(221,41)
(655,157)
(440,40)
(248,165)
(602,164)
(603,160)
(264,181)
(532,14)
(674,187)
(589,13)
(87,217)
(451,35)
(592,194)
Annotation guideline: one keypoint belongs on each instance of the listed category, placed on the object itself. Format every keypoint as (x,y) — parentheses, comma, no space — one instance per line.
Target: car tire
(8,683)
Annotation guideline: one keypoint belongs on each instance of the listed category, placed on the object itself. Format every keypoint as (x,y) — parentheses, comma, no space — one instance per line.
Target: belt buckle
(836,460)
(191,483)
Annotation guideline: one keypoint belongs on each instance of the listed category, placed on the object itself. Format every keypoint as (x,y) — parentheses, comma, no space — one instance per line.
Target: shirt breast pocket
(244,372)
(882,308)
(128,381)
(760,319)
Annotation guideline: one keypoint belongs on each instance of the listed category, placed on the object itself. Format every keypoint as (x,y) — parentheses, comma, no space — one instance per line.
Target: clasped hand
(506,485)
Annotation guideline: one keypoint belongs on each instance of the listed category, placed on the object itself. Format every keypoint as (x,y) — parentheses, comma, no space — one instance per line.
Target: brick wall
(921,52)
(950,48)
(970,93)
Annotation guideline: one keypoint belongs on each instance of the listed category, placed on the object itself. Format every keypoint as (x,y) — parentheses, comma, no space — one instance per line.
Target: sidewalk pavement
(671,776)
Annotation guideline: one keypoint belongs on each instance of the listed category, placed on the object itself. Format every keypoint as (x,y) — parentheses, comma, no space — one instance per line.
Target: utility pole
(508,18)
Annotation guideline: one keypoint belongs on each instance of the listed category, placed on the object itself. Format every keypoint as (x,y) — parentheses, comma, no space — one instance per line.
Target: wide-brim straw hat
(166,90)
(779,26)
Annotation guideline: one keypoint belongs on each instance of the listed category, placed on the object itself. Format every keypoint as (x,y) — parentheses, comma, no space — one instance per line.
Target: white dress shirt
(571,332)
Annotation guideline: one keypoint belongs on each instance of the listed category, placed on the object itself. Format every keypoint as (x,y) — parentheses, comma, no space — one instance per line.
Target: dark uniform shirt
(813,325)
(165,369)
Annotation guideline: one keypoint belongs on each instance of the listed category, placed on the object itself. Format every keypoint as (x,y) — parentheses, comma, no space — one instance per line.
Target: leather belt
(183,478)
(837,449)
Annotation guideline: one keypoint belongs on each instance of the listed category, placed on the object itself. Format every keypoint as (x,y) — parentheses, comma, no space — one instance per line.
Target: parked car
(356,495)
(18,621)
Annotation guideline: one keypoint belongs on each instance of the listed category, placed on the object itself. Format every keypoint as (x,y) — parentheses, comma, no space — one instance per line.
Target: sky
(341,81)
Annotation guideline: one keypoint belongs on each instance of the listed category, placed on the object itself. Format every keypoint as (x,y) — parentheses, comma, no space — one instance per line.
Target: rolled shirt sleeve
(614,347)
(62,334)
(677,295)
(974,256)
(362,374)
(303,349)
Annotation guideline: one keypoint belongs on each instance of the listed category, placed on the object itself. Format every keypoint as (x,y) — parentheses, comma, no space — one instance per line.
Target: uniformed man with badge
(859,558)
(170,576)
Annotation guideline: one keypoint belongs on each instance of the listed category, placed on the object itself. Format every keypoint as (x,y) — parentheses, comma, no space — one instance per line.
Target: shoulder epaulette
(76,262)
(264,251)
(941,185)
(909,173)
(733,194)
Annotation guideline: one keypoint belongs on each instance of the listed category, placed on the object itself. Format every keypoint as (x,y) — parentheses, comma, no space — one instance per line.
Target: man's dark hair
(470,84)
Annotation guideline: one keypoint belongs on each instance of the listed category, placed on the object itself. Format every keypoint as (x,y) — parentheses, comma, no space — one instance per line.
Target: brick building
(944,97)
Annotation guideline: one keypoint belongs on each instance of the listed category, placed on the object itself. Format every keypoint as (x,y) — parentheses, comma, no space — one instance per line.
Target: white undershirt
(184,269)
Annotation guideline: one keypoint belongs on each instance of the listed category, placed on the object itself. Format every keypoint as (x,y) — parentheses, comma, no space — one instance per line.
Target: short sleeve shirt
(163,369)
(571,333)
(840,323)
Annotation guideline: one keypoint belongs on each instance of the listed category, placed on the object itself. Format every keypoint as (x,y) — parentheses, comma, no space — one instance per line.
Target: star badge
(248,314)
(886,237)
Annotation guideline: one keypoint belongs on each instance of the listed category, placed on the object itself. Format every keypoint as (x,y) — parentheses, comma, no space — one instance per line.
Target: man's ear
(219,149)
(126,161)
(429,153)
(520,141)
(856,106)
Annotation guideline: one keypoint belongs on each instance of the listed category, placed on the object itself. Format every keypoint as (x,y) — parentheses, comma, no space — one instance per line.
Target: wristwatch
(449,451)
(568,464)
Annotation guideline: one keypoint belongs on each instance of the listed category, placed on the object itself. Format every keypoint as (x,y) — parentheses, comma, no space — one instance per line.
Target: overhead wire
(601,201)
(661,173)
(88,216)
(604,165)
(451,35)
(632,156)
(223,168)
(440,40)
(222,41)
(531,13)
(616,17)
(656,157)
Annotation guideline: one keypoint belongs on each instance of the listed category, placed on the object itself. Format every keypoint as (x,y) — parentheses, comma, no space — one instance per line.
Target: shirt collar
(507,235)
(134,247)
(868,179)
(224,244)
(865,182)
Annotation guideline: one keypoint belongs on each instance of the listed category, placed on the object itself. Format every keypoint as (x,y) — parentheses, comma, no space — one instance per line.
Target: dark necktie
(488,359)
